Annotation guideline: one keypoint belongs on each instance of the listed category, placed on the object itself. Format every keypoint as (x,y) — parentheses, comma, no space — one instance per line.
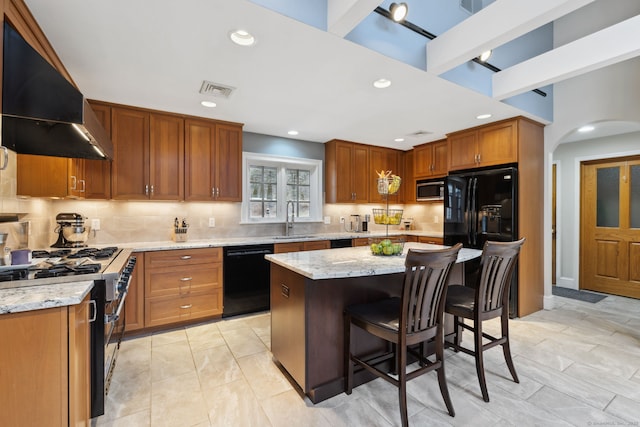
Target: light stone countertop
(257,240)
(352,262)
(15,300)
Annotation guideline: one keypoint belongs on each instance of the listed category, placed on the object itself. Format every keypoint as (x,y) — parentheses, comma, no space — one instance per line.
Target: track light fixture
(398,11)
(484,56)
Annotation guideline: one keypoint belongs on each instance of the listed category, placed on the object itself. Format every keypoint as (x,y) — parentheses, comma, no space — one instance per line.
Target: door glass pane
(635,196)
(608,197)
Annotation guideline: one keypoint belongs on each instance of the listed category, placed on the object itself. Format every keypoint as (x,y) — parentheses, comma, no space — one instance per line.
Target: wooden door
(423,160)
(42,176)
(498,144)
(361,176)
(228,163)
(130,167)
(134,303)
(344,161)
(97,173)
(200,137)
(439,158)
(462,152)
(610,227)
(166,157)
(79,365)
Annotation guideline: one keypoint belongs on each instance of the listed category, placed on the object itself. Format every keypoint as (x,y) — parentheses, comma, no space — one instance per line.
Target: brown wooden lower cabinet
(134,304)
(44,367)
(432,240)
(182,285)
(311,245)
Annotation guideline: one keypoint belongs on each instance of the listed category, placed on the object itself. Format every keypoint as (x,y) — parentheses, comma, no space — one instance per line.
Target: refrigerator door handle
(474,213)
(467,211)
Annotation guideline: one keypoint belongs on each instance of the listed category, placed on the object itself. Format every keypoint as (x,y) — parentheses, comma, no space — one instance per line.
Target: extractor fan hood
(42,113)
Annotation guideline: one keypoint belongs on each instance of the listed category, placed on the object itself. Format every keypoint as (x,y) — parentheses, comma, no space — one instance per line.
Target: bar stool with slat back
(488,300)
(414,318)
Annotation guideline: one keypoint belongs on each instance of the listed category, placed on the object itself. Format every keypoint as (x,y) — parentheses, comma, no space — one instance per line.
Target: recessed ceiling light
(398,140)
(586,128)
(242,38)
(209,104)
(382,83)
(483,116)
(293,132)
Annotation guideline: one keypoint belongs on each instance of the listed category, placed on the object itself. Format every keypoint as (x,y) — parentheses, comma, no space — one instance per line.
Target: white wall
(567,158)
(606,95)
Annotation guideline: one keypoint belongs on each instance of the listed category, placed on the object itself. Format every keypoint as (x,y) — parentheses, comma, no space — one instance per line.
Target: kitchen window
(272,181)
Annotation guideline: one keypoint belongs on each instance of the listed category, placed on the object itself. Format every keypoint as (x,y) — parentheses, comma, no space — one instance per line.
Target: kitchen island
(309,291)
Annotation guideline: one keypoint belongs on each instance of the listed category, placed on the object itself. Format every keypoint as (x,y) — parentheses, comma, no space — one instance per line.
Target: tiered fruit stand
(388,185)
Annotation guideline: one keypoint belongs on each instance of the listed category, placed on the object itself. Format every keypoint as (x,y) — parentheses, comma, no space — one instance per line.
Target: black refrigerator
(481,206)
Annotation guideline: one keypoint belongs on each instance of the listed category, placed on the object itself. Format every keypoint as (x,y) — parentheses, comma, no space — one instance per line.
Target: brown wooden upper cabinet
(347,172)
(386,159)
(493,144)
(430,160)
(213,158)
(408,185)
(148,159)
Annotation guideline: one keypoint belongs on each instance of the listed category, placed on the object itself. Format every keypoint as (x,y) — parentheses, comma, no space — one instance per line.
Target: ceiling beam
(605,47)
(489,28)
(344,15)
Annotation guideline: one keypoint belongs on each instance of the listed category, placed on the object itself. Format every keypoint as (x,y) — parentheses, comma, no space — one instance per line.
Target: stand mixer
(71,230)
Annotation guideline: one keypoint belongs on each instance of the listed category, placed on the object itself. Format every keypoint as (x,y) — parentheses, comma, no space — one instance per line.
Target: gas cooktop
(65,265)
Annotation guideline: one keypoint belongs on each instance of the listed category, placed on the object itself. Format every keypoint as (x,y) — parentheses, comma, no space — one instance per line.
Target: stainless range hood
(42,113)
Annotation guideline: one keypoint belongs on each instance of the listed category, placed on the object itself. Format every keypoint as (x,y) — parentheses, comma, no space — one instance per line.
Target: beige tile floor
(579,364)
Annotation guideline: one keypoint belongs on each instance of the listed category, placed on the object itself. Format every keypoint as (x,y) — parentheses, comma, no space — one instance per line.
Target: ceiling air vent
(216,89)
(420,133)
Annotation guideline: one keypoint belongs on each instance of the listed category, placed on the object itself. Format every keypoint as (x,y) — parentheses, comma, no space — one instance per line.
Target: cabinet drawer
(175,258)
(432,240)
(180,280)
(173,309)
(316,245)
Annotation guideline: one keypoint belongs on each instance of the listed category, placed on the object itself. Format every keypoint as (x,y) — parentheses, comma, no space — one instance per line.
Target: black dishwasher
(246,279)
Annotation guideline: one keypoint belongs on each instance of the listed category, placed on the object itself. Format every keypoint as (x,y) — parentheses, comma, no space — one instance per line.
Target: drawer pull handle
(186,306)
(185,257)
(186,279)
(284,290)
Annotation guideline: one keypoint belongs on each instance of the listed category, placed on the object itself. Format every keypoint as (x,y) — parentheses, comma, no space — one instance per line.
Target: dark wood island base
(307,331)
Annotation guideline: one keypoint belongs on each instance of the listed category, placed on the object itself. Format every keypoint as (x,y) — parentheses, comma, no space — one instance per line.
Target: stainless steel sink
(293,237)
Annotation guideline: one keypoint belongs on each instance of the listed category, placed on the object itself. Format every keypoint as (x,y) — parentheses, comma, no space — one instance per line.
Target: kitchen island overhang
(309,291)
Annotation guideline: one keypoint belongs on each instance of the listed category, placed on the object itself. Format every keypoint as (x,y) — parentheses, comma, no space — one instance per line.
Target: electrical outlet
(95,224)
(212,222)
(341,220)
(327,220)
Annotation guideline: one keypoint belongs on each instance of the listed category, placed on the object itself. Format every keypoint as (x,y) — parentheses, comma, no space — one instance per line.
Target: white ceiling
(155,54)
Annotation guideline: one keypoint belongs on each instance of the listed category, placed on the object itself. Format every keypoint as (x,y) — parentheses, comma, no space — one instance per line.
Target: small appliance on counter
(72,233)
(355,225)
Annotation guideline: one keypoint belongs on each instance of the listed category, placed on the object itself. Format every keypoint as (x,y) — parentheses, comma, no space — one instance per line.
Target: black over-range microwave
(429,189)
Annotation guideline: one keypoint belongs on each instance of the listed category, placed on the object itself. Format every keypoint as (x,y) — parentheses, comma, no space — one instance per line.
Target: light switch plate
(212,222)
(95,224)
(327,220)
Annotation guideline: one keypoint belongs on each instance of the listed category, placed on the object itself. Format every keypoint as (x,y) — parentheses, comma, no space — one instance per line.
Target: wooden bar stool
(414,318)
(489,299)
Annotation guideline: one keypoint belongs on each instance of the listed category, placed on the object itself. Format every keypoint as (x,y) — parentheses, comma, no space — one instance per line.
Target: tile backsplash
(134,221)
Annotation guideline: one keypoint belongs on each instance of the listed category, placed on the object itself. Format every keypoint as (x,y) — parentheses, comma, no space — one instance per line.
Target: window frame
(314,166)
